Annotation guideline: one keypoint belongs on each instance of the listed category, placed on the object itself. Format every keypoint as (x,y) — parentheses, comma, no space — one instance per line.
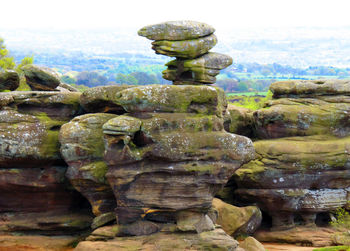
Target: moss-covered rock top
(40,78)
(176,30)
(166,98)
(9,80)
(310,88)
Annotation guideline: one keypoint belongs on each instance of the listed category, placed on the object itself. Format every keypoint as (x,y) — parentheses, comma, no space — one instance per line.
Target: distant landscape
(103,57)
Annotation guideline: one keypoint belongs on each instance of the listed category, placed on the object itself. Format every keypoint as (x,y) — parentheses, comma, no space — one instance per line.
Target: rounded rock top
(176,30)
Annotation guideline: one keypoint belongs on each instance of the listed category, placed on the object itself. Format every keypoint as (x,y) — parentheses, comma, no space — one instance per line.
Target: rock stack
(189,42)
(302,164)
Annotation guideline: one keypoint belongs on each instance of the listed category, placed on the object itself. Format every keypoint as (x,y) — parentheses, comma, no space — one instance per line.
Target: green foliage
(126,79)
(91,79)
(250,102)
(342,220)
(25,61)
(337,248)
(6,62)
(68,79)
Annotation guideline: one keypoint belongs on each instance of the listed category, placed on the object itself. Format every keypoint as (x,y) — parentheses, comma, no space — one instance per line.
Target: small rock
(40,78)
(194,221)
(251,244)
(9,80)
(102,220)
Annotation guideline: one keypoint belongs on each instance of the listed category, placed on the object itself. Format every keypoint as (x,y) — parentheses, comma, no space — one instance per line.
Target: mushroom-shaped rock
(176,30)
(9,80)
(40,78)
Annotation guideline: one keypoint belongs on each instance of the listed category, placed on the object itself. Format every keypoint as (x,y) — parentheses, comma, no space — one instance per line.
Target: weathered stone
(176,30)
(45,222)
(300,162)
(66,87)
(211,240)
(9,80)
(40,78)
(193,221)
(29,124)
(239,120)
(102,219)
(201,70)
(101,99)
(316,237)
(287,117)
(122,125)
(191,48)
(82,148)
(173,99)
(310,88)
(237,220)
(251,244)
(171,149)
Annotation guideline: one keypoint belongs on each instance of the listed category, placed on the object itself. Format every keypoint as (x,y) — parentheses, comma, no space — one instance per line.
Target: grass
(251,102)
(246,94)
(335,248)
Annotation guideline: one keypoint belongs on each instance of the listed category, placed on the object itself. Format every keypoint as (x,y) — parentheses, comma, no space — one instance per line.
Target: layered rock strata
(304,169)
(190,43)
(32,171)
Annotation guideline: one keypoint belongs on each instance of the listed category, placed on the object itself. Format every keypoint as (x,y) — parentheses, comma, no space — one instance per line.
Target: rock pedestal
(190,43)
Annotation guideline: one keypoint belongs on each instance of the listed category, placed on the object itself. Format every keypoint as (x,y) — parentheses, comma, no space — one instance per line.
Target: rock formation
(34,192)
(190,43)
(302,162)
(40,78)
(9,80)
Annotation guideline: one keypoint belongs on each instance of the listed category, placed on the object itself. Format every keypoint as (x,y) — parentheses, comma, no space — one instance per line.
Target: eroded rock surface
(302,164)
(40,78)
(9,80)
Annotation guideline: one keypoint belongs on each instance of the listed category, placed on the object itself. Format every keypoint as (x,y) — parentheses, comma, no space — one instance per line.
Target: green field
(246,94)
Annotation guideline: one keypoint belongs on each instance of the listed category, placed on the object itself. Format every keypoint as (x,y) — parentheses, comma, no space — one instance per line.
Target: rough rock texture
(303,175)
(190,43)
(173,161)
(237,220)
(40,78)
(251,244)
(210,240)
(317,237)
(287,117)
(239,120)
(201,70)
(82,148)
(310,88)
(176,30)
(32,172)
(101,99)
(9,80)
(185,48)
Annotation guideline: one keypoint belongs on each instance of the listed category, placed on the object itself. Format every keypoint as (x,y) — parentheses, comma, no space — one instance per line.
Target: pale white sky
(74,14)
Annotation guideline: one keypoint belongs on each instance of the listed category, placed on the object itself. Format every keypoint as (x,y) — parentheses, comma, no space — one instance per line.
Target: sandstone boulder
(9,80)
(40,78)
(176,30)
(310,88)
(82,148)
(237,220)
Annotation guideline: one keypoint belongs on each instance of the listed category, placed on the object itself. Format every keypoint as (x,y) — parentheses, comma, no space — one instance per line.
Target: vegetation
(342,219)
(337,248)
(253,102)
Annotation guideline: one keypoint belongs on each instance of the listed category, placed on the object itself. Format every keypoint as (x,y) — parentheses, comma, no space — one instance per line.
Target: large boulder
(32,170)
(169,161)
(287,117)
(176,30)
(9,80)
(41,78)
(82,148)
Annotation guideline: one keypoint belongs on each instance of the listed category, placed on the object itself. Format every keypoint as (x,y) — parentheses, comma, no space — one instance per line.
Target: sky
(91,14)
